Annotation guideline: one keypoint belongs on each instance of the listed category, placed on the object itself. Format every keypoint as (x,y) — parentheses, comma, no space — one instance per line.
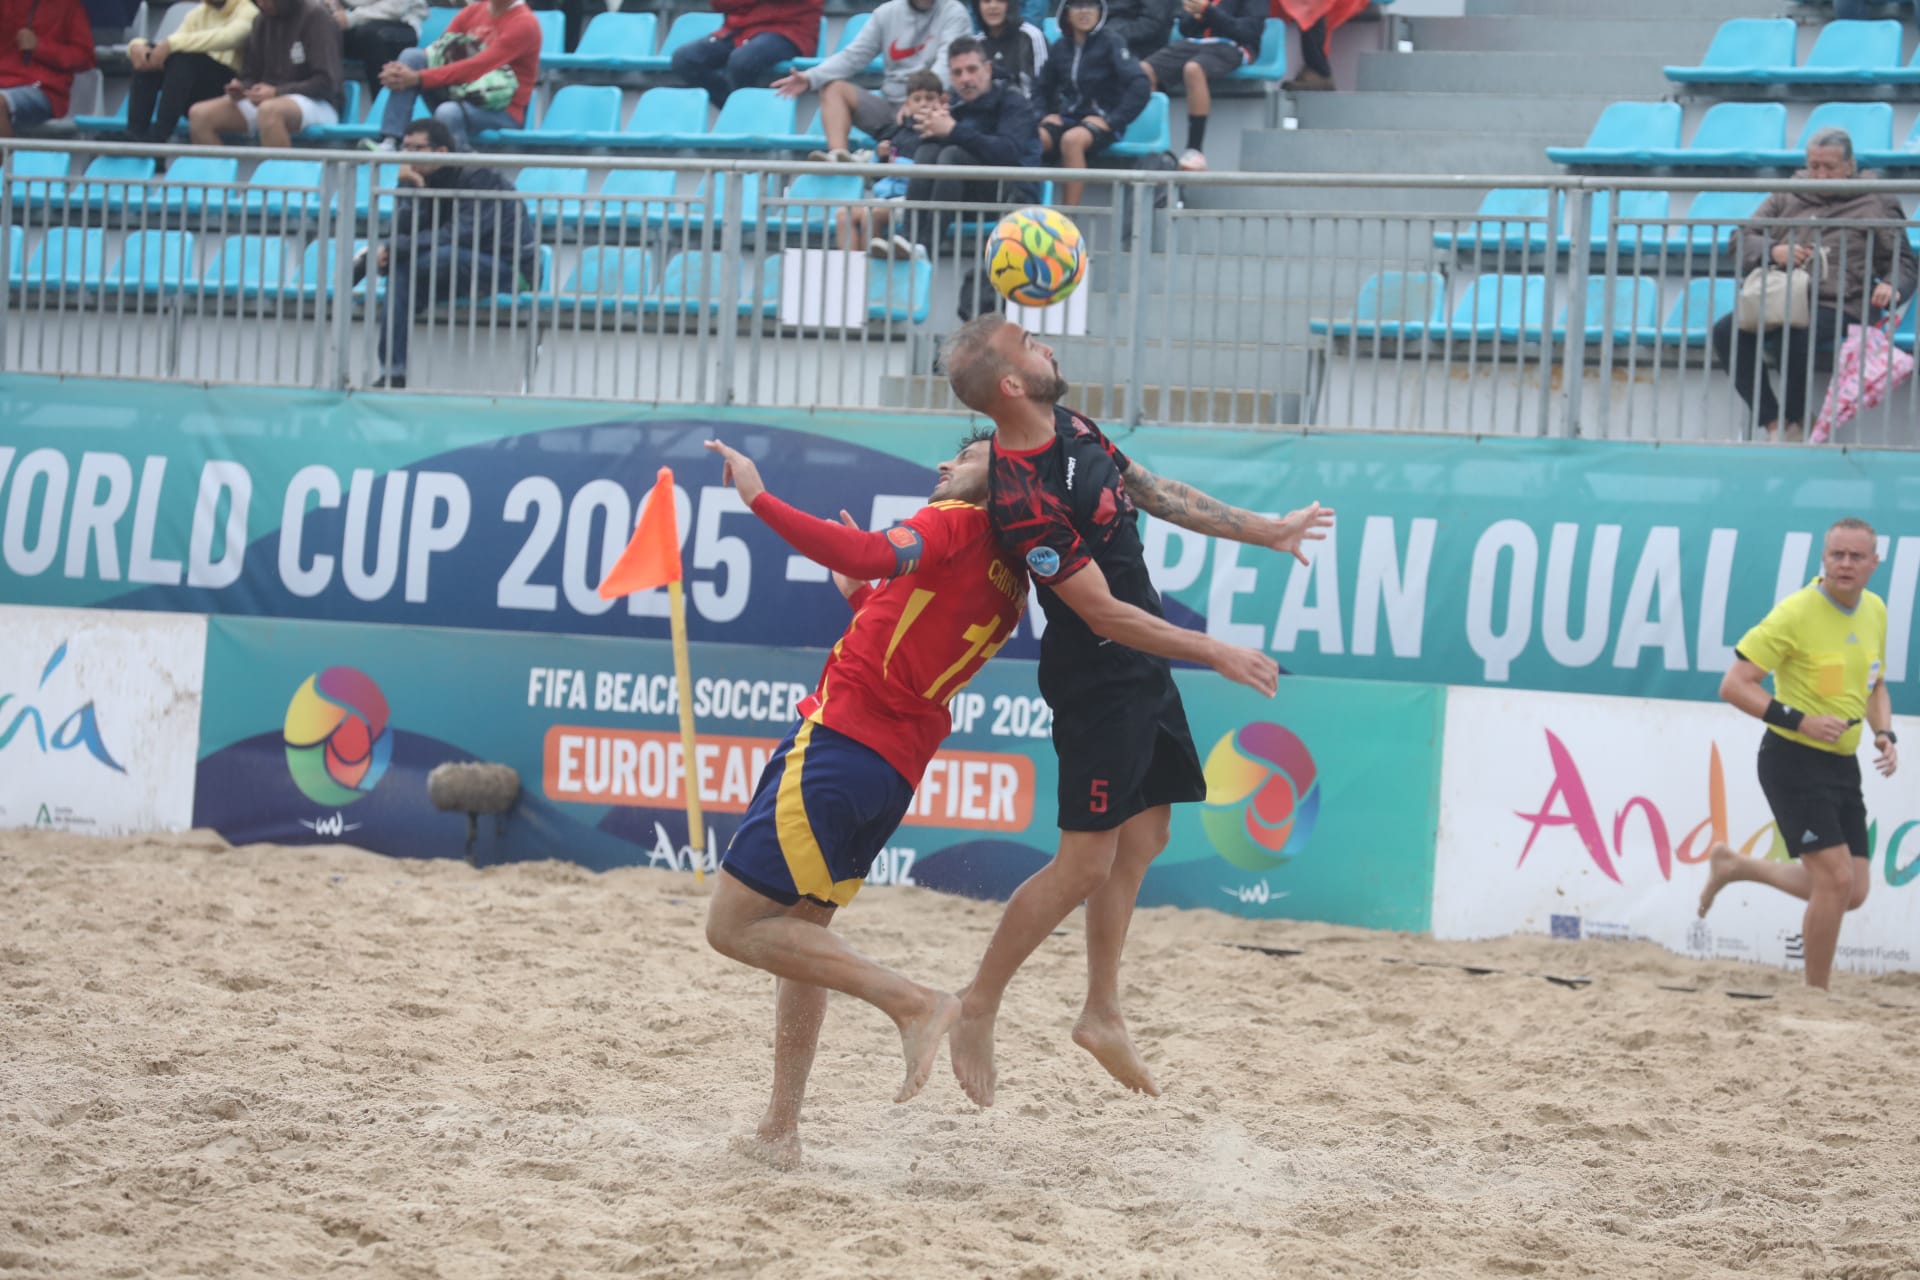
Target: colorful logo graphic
(338,740)
(1263,797)
(80,730)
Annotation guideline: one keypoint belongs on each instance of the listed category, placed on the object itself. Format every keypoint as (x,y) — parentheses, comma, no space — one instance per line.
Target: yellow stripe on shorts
(805,863)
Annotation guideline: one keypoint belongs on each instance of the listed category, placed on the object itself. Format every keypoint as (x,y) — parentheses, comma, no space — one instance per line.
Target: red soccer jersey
(917,639)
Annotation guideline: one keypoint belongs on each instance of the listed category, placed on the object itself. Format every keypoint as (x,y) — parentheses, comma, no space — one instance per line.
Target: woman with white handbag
(1803,284)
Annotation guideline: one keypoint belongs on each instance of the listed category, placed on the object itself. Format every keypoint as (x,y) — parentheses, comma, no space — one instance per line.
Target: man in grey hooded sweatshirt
(906,36)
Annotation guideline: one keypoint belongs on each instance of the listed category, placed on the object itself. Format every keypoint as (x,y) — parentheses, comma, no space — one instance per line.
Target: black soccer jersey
(1057,508)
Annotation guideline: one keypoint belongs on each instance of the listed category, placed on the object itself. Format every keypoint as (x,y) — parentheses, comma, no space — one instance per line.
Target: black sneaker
(392,382)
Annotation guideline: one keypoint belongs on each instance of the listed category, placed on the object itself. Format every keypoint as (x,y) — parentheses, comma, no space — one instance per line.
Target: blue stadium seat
(40,179)
(365,178)
(352,104)
(606,280)
(854,25)
(1847,53)
(611,42)
(1744,51)
(16,253)
(632,198)
(194,183)
(1050,29)
(1735,134)
(553,31)
(1636,308)
(368,126)
(1272,62)
(117,122)
(782,67)
(1905,158)
(899,292)
(439,18)
(1633,204)
(113,184)
(1903,333)
(1690,320)
(516,298)
(558,194)
(693,214)
(282,188)
(68,258)
(1499,308)
(1728,209)
(686,29)
(580,115)
(795,210)
(691,283)
(1393,304)
(1149,134)
(1869,124)
(1626,133)
(1511,218)
(249,268)
(316,273)
(151,262)
(666,117)
(755,120)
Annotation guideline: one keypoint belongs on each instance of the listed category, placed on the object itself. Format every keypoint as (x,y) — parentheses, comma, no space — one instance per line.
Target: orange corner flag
(652,559)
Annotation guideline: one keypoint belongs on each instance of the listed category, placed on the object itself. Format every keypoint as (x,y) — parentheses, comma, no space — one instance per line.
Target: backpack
(492,91)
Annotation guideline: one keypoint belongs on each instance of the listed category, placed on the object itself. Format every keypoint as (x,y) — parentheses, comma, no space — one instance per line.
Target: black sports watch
(1888,734)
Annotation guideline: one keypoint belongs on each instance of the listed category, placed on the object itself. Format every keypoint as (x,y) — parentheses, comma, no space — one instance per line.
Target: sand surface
(268,1061)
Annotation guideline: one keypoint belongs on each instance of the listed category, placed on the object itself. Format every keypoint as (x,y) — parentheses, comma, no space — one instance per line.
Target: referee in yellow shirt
(1826,646)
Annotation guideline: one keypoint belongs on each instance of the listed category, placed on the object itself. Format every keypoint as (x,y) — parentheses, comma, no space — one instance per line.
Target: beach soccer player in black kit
(1062,499)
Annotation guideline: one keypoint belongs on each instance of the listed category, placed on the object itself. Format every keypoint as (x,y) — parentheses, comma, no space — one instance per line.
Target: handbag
(1773,298)
(492,91)
(1865,369)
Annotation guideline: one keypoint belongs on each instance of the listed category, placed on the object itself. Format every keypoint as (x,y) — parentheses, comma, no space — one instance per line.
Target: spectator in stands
(43,45)
(1218,38)
(478,76)
(194,64)
(447,247)
(1091,89)
(755,35)
(1856,9)
(980,123)
(290,77)
(1866,269)
(865,227)
(1316,20)
(377,31)
(1016,49)
(913,35)
(1143,24)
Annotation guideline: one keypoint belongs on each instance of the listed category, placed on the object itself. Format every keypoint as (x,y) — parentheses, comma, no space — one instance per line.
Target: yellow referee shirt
(1825,660)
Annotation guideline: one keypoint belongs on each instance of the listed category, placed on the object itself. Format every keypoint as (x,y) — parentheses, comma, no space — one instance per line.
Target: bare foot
(1105,1037)
(779,1150)
(920,1041)
(1722,863)
(972,1051)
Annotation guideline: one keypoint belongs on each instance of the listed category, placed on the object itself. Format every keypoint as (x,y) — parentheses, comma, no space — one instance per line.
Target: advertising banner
(1324,800)
(1585,817)
(99,712)
(1579,566)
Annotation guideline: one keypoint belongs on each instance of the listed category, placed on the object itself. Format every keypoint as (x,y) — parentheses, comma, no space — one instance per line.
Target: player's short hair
(1854,522)
(439,137)
(979,435)
(974,367)
(924,81)
(964,45)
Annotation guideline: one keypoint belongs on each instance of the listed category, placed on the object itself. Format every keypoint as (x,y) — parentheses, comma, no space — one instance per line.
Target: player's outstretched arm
(847,550)
(1087,594)
(1182,504)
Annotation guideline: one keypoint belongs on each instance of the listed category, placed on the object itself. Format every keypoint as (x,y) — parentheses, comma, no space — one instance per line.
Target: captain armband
(907,545)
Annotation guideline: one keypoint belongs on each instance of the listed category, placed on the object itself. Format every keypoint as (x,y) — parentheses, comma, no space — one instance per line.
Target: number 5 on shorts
(1098,793)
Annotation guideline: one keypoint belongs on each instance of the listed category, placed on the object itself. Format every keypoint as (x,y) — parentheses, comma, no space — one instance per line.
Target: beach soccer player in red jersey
(838,785)
(1063,498)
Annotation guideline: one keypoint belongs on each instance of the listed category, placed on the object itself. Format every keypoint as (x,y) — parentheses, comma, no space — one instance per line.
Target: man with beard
(1062,498)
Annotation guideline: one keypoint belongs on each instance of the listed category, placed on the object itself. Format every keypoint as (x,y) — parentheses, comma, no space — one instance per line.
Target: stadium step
(1617,76)
(1491,113)
(1364,151)
(1674,40)
(1622,10)
(1365,201)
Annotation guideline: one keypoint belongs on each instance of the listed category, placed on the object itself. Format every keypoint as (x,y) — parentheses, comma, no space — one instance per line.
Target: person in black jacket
(1144,24)
(983,122)
(1015,49)
(448,247)
(1091,89)
(1219,37)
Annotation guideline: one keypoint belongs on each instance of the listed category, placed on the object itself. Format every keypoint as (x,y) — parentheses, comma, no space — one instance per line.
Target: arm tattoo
(1186,506)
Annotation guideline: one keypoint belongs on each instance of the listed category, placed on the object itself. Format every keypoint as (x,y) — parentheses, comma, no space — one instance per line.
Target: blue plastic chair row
(645,198)
(668,118)
(1762,51)
(73,260)
(352,94)
(1511,308)
(1734,135)
(1517,219)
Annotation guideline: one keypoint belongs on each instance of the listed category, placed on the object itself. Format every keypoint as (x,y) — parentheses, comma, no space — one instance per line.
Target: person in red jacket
(43,45)
(755,35)
(508,36)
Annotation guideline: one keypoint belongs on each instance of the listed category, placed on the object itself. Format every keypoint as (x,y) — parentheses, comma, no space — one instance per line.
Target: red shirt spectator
(510,39)
(746,19)
(44,43)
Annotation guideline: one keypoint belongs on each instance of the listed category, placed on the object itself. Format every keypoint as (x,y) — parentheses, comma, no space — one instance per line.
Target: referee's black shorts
(1815,796)
(1124,748)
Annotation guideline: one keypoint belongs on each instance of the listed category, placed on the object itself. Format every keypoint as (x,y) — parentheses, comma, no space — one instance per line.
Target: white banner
(1591,817)
(99,719)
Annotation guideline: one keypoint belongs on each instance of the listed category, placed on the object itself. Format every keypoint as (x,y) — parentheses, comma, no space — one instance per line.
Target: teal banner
(1322,802)
(1563,565)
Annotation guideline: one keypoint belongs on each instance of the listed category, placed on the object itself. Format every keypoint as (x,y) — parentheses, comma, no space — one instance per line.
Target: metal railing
(712,282)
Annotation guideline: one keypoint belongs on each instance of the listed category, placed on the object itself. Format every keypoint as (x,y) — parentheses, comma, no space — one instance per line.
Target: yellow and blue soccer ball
(1036,257)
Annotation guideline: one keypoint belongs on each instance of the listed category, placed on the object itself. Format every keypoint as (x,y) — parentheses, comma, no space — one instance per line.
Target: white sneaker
(1192,161)
(863,156)
(880,247)
(904,249)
